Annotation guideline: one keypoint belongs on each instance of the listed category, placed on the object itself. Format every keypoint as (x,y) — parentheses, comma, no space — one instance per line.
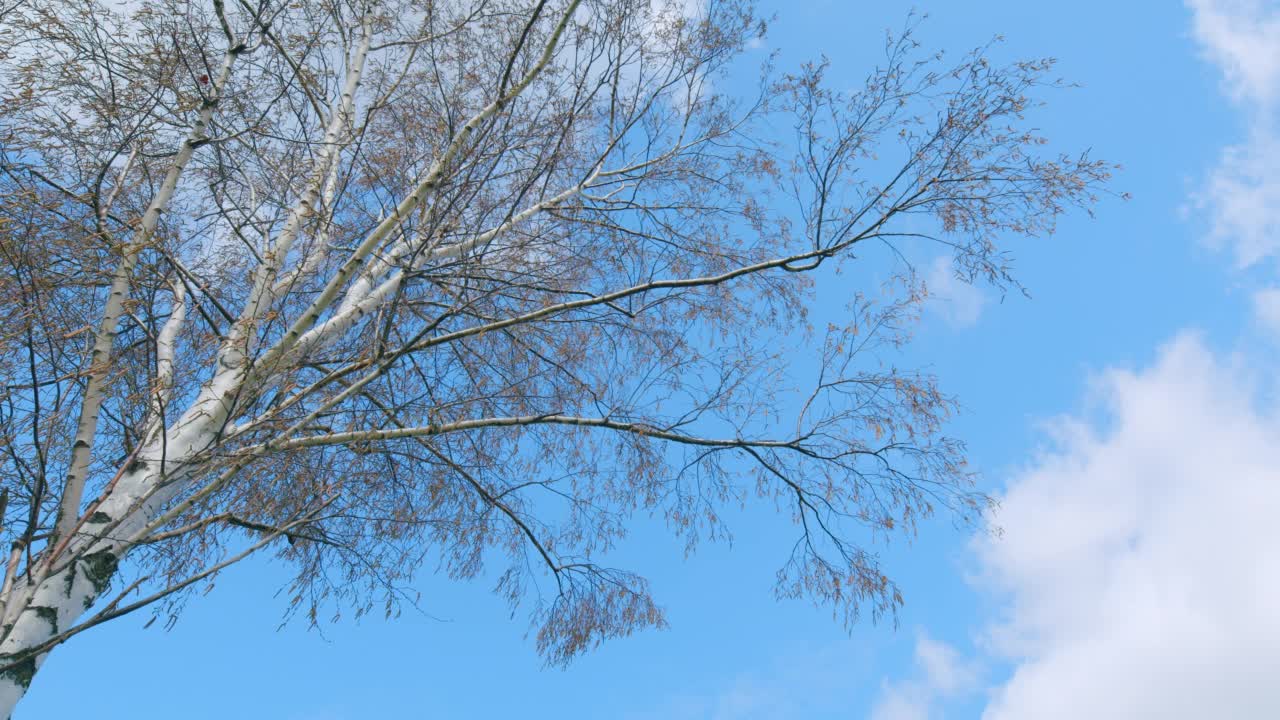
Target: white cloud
(900,703)
(1242,199)
(1266,310)
(656,31)
(819,681)
(1242,37)
(942,674)
(956,301)
(691,10)
(1141,558)
(1242,194)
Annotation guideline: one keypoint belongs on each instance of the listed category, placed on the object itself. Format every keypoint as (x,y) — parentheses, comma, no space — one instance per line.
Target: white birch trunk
(38,613)
(48,603)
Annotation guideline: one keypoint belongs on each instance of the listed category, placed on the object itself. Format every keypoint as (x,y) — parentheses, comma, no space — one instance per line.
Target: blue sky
(1126,414)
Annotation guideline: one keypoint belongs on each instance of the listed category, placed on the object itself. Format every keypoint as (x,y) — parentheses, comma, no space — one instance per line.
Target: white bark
(265,280)
(38,610)
(82,449)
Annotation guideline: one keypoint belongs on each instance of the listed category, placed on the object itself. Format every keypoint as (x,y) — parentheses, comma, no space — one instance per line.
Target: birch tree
(467,286)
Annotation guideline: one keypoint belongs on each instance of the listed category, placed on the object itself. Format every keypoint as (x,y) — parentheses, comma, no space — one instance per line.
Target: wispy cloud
(959,303)
(1241,195)
(1266,309)
(942,674)
(1239,37)
(818,682)
(1141,556)
(1242,199)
